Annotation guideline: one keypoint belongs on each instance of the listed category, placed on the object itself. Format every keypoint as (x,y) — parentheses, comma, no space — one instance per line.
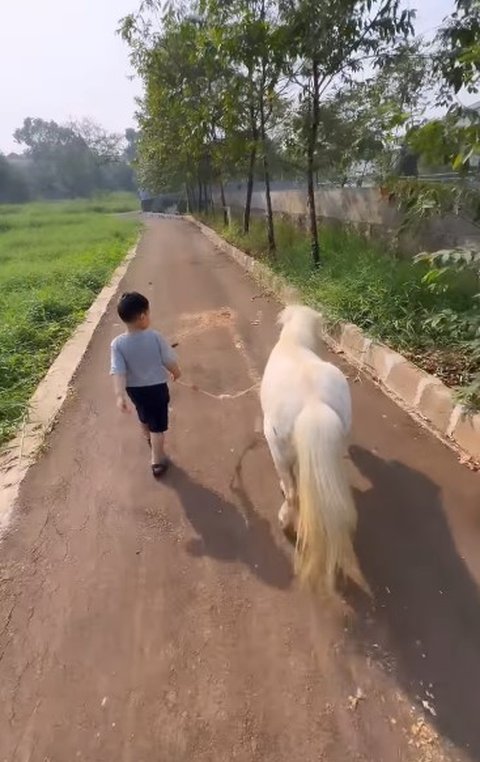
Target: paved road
(144,622)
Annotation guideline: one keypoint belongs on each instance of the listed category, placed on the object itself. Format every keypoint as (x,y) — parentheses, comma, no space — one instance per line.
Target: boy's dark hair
(131,306)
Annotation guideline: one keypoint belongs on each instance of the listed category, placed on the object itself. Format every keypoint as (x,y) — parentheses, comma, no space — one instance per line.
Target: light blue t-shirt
(141,356)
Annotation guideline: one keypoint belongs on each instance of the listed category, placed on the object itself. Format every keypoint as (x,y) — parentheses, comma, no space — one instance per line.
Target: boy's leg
(158,422)
(141,413)
(146,432)
(158,448)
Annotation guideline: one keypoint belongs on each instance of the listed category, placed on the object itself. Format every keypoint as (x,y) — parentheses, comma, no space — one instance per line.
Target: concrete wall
(162,202)
(363,208)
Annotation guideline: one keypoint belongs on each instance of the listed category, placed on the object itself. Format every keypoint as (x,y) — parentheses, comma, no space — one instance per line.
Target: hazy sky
(62,59)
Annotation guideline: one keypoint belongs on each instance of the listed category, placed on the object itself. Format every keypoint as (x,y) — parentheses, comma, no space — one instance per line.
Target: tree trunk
(207,197)
(224,203)
(251,169)
(200,198)
(266,177)
(312,212)
(250,181)
(272,248)
(190,205)
(312,144)
(266,165)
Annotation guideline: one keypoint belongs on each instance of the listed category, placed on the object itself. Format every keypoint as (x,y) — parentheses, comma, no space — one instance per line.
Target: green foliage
(450,272)
(329,43)
(73,160)
(321,87)
(211,71)
(421,201)
(455,138)
(434,319)
(446,269)
(357,127)
(191,128)
(13,185)
(54,258)
(458,59)
(229,82)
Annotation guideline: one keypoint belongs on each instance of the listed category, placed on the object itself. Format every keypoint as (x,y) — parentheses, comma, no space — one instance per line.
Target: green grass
(360,282)
(54,259)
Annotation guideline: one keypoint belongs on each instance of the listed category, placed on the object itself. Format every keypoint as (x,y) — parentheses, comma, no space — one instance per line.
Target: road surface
(145,622)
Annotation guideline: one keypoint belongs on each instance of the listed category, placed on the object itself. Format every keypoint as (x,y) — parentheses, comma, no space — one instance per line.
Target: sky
(61,59)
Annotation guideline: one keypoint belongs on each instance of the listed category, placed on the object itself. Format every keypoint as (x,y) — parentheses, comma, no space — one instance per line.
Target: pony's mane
(300,323)
(286,314)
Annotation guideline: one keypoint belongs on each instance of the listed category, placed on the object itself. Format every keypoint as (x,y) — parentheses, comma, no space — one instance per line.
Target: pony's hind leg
(287,516)
(287,513)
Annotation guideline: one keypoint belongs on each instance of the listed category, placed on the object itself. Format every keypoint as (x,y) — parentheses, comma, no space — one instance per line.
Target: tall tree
(194,112)
(13,183)
(172,135)
(254,40)
(63,164)
(106,147)
(74,159)
(329,43)
(349,135)
(455,138)
(458,58)
(131,140)
(177,109)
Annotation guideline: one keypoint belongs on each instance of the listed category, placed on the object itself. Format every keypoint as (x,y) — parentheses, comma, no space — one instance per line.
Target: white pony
(306,405)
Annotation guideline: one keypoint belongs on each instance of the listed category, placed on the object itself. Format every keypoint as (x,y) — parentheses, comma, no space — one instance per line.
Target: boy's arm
(118,371)
(169,358)
(174,369)
(119,386)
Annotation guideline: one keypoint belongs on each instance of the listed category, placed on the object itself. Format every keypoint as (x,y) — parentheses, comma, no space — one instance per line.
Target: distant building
(159,202)
(146,200)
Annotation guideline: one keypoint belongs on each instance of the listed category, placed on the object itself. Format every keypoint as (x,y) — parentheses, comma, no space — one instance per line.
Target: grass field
(54,259)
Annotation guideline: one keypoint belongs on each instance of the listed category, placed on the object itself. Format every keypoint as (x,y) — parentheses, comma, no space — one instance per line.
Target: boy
(141,361)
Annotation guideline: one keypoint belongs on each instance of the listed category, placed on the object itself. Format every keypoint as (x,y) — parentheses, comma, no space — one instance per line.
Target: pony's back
(300,338)
(307,406)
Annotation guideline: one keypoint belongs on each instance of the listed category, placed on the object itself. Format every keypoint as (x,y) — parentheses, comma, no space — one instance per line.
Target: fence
(363,208)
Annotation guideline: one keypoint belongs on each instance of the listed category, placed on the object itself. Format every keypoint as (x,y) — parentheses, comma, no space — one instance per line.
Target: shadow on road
(427,604)
(226,534)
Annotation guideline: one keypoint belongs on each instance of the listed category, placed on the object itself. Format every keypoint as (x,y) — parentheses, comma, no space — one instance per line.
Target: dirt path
(144,622)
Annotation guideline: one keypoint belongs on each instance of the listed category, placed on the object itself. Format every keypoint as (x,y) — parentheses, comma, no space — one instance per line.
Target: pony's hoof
(287,523)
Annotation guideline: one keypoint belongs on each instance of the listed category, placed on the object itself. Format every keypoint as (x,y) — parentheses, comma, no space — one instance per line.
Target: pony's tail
(327,515)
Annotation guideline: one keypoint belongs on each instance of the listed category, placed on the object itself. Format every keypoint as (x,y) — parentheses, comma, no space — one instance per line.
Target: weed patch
(54,259)
(392,299)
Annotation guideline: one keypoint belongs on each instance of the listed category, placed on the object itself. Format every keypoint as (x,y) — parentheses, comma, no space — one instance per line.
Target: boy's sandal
(158,469)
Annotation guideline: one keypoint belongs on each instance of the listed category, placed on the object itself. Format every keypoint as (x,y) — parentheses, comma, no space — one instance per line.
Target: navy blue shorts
(151,403)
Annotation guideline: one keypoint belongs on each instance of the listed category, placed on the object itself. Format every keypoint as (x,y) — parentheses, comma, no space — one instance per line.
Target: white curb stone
(49,398)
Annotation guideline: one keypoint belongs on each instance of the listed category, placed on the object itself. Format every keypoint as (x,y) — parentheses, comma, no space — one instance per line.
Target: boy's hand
(175,371)
(122,403)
